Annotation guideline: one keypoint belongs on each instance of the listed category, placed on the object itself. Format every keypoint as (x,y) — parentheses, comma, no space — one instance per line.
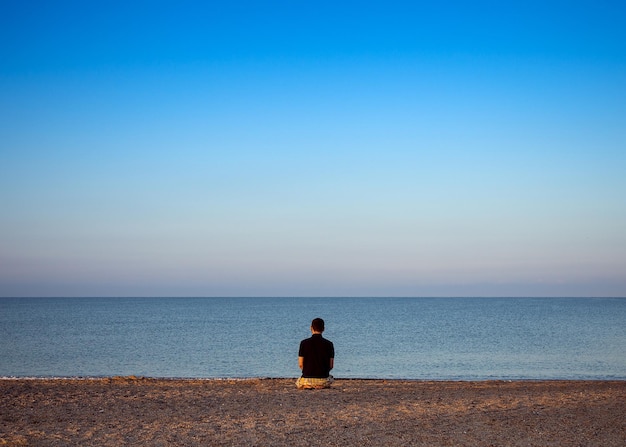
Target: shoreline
(129,410)
(294,378)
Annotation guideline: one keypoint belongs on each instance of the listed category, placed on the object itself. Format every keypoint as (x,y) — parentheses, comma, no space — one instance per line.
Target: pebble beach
(272,412)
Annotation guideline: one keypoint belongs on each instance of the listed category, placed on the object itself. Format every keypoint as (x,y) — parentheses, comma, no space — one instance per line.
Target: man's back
(317,353)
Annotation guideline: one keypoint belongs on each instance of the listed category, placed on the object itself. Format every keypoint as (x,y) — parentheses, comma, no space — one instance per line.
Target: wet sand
(271,412)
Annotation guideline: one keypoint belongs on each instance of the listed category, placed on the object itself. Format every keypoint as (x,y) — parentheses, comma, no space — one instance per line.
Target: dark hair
(318,325)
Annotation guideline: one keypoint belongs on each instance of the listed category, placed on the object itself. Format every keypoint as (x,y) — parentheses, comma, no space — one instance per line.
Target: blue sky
(312,149)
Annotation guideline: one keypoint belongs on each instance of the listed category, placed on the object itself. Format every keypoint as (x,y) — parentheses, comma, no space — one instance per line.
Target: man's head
(317,325)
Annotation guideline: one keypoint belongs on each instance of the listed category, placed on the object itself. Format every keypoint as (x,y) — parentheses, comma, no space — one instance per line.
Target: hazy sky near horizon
(312,148)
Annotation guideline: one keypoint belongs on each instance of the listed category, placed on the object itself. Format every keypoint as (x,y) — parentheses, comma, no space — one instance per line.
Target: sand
(271,412)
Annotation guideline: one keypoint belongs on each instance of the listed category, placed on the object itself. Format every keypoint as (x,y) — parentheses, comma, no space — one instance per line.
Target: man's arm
(301,362)
(332,363)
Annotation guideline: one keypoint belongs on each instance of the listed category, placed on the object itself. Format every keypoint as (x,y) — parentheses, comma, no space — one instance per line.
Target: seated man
(316,358)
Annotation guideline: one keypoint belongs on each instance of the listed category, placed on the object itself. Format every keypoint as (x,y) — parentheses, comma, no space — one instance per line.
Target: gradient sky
(312,148)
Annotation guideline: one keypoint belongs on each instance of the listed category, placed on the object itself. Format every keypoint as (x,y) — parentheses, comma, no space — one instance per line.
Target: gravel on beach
(272,412)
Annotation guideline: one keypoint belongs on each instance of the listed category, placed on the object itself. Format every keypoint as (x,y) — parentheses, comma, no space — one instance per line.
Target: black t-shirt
(317,352)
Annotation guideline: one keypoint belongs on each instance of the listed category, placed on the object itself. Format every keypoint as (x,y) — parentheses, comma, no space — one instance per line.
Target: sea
(375,338)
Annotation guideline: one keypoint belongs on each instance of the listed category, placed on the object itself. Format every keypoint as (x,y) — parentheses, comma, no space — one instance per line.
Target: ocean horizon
(375,338)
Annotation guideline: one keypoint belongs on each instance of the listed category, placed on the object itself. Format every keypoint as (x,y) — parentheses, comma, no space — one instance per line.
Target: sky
(288,148)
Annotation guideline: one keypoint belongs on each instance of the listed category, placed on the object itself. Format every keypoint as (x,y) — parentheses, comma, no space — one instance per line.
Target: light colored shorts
(313,383)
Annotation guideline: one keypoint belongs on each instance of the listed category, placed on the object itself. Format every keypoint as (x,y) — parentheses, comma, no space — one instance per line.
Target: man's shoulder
(316,339)
(306,341)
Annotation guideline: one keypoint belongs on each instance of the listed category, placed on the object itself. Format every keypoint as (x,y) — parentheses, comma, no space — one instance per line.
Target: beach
(272,412)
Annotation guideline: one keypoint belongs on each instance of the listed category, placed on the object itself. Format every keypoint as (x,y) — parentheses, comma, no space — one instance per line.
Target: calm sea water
(412,338)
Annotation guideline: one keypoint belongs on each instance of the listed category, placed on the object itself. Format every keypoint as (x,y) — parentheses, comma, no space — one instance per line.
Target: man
(316,358)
